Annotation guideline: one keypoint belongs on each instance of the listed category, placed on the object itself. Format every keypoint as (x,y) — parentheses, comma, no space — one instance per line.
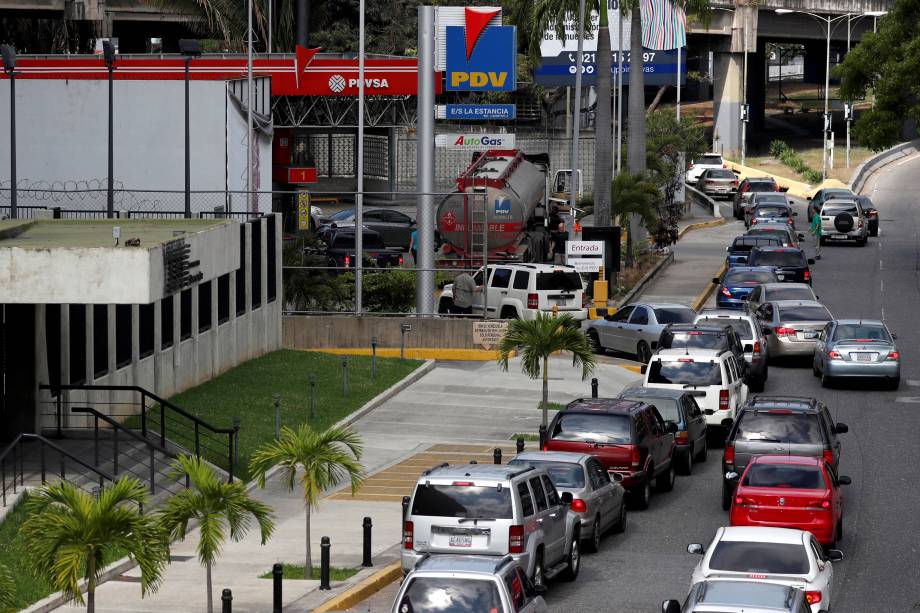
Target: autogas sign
(475,142)
(480,57)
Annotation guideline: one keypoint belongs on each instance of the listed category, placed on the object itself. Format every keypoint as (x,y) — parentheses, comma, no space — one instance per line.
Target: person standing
(464,292)
(413,246)
(816,231)
(557,244)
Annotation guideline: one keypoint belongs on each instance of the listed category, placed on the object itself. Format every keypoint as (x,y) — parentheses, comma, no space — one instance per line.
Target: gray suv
(778,425)
(488,509)
(734,596)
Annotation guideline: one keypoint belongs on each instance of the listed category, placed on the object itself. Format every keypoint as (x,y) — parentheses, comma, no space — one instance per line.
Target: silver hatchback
(857,348)
(598,500)
(792,327)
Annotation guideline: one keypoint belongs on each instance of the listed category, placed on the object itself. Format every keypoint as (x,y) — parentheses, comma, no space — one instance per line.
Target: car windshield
(719,173)
(771,211)
(804,313)
(596,427)
(559,280)
(777,258)
(686,371)
(784,475)
(471,501)
(695,339)
(770,558)
(789,293)
(741,326)
(711,160)
(674,315)
(342,215)
(779,426)
(738,277)
(563,474)
(667,407)
(833,208)
(861,332)
(450,595)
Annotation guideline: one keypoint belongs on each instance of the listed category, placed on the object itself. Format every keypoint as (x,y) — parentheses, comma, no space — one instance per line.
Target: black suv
(790,263)
(629,437)
(696,336)
(779,425)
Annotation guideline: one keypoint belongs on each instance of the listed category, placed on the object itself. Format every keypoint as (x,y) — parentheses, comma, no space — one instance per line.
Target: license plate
(863,357)
(460,540)
(839,237)
(809,335)
(780,277)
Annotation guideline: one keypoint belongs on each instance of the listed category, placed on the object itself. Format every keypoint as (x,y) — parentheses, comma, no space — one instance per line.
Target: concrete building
(169,305)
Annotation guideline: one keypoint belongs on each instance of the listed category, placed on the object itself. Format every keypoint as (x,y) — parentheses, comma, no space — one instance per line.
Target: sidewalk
(458,402)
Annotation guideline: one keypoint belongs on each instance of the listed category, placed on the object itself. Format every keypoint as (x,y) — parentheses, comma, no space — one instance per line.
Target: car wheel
(822,240)
(665,482)
(509,313)
(687,466)
(895,383)
(573,563)
(595,341)
(620,526)
(641,497)
(825,380)
(643,353)
(702,455)
(445,305)
(539,573)
(862,243)
(757,384)
(593,544)
(726,496)
(814,369)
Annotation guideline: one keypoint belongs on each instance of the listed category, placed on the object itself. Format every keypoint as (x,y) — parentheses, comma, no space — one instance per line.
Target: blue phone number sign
(660,68)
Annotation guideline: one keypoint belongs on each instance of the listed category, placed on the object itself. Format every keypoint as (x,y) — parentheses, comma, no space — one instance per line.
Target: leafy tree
(217,506)
(70,533)
(887,63)
(538,339)
(307,287)
(323,459)
(635,196)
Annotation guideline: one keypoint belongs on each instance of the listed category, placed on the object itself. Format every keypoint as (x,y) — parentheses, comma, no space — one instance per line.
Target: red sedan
(790,492)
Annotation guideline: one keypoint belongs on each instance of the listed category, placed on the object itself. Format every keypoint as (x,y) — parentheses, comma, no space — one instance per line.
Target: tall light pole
(189,48)
(9,67)
(108,54)
(253,204)
(359,198)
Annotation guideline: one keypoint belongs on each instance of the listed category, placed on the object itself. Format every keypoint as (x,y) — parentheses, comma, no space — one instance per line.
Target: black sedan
(871,213)
(393,226)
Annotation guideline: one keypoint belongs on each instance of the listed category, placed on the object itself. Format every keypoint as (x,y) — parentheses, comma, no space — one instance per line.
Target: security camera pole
(9,67)
(424,156)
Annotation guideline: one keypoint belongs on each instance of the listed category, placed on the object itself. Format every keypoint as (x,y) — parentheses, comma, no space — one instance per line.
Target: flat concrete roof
(97,233)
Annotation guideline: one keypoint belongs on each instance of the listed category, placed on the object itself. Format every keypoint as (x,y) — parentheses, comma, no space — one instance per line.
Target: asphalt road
(634,572)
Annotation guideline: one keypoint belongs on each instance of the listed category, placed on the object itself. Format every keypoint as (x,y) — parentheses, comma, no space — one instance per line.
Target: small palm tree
(633,194)
(536,340)
(70,533)
(217,506)
(323,458)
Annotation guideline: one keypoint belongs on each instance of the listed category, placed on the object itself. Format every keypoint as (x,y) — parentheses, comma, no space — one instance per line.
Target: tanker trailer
(507,190)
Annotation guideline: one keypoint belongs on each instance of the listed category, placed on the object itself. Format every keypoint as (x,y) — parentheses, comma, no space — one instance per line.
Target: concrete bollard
(497,455)
(594,387)
(226,599)
(519,445)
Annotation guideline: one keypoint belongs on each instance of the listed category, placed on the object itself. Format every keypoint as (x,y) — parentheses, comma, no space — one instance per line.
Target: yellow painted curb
(417,353)
(361,590)
(706,293)
(633,367)
(796,188)
(701,225)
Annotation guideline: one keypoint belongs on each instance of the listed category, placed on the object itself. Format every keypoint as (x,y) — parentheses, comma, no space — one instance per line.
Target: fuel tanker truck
(502,205)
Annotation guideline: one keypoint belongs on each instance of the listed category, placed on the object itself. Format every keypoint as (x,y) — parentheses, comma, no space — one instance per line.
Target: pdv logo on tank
(481,57)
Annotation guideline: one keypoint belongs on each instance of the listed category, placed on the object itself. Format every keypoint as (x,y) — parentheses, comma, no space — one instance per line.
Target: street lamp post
(190,49)
(108,54)
(9,67)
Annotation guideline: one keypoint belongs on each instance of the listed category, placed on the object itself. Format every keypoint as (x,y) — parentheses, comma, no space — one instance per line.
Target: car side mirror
(643,369)
(696,548)
(893,336)
(748,347)
(566,497)
(608,317)
(834,555)
(670,427)
(794,214)
(766,331)
(817,297)
(811,261)
(844,480)
(670,606)
(808,198)
(716,280)
(731,476)
(728,248)
(617,477)
(841,428)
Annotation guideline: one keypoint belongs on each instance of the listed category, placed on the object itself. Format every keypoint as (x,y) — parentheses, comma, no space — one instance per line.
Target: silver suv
(494,510)
(844,220)
(740,596)
(470,583)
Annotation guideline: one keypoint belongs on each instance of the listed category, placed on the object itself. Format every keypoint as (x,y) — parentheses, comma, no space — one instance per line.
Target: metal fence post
(324,545)
(542,435)
(345,376)
(594,387)
(59,411)
(96,441)
(276,401)
(373,358)
(234,446)
(162,425)
(368,526)
(153,487)
(226,599)
(312,396)
(115,451)
(277,575)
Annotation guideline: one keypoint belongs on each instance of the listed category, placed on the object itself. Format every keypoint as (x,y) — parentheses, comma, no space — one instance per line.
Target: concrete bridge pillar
(726,132)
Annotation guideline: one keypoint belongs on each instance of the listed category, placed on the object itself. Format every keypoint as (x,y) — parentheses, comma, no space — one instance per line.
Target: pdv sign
(479,57)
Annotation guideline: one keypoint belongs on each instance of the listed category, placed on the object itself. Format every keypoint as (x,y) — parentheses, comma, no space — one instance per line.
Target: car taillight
(734,184)
(635,456)
(408,535)
(584,299)
(723,400)
(790,221)
(516,539)
(783,331)
(708,182)
(834,355)
(807,274)
(579,506)
(747,188)
(533,301)
(692,165)
(729,457)
(726,292)
(347,261)
(873,214)
(828,456)
(754,222)
(683,437)
(401,260)
(724,165)
(756,347)
(812,597)
(894,356)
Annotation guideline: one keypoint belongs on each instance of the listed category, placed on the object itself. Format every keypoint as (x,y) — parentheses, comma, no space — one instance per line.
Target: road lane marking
(908,159)
(908,399)
(881,265)
(913,382)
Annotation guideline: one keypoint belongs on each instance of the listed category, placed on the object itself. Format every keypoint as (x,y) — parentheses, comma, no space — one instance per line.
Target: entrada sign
(480,57)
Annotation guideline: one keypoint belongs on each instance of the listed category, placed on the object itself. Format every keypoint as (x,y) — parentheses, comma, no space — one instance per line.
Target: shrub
(787,155)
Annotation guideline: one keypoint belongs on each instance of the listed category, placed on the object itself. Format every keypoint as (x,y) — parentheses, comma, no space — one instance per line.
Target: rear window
(450,595)
(743,593)
(768,197)
(597,427)
(558,280)
(748,276)
(741,326)
(347,241)
(833,208)
(771,211)
(779,427)
(462,501)
(777,258)
(685,373)
(694,339)
(719,173)
(563,474)
(760,186)
(711,160)
(861,332)
(667,407)
(674,315)
(789,293)
(769,558)
(784,475)
(781,235)
(804,313)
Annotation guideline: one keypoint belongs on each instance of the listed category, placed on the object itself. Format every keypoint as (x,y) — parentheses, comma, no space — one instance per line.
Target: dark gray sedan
(857,348)
(395,227)
(598,497)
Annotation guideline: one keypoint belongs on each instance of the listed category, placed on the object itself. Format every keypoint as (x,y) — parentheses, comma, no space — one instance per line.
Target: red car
(790,492)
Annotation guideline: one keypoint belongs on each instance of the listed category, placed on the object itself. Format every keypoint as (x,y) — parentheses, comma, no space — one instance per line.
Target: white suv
(844,220)
(520,290)
(704,162)
(713,377)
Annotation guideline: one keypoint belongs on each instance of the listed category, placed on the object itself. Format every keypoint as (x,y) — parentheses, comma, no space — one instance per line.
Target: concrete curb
(878,161)
(638,287)
(701,197)
(417,353)
(707,292)
(56,600)
(700,225)
(361,590)
(388,393)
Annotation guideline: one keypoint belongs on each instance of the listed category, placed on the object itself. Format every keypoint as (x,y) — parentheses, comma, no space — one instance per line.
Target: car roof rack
(521,471)
(785,398)
(434,468)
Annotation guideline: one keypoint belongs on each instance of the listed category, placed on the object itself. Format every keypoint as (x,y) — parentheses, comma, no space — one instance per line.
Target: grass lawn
(295,571)
(551,406)
(527,436)
(812,157)
(246,391)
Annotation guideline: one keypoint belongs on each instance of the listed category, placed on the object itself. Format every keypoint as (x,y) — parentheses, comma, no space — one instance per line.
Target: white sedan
(779,555)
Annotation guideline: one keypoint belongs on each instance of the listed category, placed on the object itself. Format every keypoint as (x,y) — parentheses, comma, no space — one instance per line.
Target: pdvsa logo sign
(480,57)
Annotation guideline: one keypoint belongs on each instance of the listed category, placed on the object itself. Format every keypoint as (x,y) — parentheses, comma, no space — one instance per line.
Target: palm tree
(70,534)
(323,458)
(226,20)
(634,195)
(217,506)
(536,340)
